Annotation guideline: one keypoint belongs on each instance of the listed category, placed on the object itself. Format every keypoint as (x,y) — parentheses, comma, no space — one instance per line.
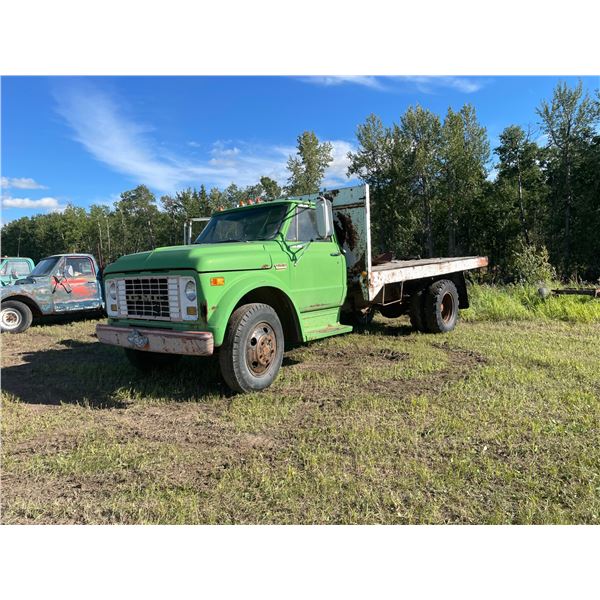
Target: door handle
(335,254)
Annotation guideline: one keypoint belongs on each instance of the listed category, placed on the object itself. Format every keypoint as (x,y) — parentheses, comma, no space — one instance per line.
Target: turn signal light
(217,281)
(192,310)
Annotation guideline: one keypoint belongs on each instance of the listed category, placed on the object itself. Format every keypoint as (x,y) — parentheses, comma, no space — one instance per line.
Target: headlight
(112,290)
(190,291)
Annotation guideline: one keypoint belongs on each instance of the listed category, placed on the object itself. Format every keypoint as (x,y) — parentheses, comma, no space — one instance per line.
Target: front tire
(252,350)
(15,317)
(151,361)
(441,306)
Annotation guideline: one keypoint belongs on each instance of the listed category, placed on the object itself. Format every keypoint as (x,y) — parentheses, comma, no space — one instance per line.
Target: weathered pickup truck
(60,284)
(13,268)
(270,275)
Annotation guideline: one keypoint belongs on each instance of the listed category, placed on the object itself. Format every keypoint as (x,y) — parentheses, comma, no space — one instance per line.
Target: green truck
(267,276)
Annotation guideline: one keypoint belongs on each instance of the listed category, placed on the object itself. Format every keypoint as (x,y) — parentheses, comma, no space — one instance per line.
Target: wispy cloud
(130,148)
(21,183)
(431,84)
(48,203)
(369,81)
(400,83)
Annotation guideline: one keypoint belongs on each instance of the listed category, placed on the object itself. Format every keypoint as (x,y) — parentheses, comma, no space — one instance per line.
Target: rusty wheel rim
(10,318)
(261,348)
(447,307)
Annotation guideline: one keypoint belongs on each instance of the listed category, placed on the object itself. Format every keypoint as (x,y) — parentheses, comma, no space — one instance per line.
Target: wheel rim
(447,308)
(10,318)
(261,348)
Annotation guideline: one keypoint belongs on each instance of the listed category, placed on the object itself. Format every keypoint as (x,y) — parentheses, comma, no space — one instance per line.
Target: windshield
(260,223)
(45,266)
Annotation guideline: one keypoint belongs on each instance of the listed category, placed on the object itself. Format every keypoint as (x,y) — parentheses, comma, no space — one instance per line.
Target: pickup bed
(266,276)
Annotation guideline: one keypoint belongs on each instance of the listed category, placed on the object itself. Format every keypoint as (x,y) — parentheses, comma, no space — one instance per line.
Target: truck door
(317,268)
(77,287)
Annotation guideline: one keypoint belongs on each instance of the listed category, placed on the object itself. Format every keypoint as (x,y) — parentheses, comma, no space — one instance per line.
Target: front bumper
(166,341)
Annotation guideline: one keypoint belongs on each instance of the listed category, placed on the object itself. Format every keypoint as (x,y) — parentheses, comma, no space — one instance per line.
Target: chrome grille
(154,298)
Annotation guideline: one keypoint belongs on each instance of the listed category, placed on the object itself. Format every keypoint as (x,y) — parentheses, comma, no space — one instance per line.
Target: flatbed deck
(396,271)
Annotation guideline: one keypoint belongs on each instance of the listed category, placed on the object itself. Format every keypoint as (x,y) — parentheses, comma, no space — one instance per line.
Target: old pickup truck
(13,268)
(59,284)
(266,276)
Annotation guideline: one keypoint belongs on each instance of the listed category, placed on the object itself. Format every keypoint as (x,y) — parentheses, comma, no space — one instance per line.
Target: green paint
(310,275)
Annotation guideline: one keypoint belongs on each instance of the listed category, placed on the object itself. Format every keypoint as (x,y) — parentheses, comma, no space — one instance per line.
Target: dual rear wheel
(435,308)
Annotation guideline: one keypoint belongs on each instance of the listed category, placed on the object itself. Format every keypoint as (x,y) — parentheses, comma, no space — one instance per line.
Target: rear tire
(441,306)
(252,350)
(151,361)
(15,317)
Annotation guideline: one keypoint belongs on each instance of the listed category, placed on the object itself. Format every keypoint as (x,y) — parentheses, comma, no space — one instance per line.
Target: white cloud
(127,147)
(336,172)
(429,84)
(369,81)
(46,203)
(21,183)
(423,84)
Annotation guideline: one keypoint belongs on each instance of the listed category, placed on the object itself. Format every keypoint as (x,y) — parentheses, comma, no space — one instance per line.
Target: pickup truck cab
(13,268)
(265,276)
(59,284)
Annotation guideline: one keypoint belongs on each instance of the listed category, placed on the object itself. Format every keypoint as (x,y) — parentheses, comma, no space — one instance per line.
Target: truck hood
(204,258)
(26,285)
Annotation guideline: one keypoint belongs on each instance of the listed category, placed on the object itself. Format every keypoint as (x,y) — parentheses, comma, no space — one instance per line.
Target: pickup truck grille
(153,298)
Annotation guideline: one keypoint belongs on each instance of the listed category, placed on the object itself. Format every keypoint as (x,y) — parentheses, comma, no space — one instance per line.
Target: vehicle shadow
(99,376)
(389,328)
(66,318)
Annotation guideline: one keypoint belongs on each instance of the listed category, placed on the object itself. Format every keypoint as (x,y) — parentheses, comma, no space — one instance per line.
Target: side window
(4,268)
(292,232)
(79,267)
(20,268)
(307,225)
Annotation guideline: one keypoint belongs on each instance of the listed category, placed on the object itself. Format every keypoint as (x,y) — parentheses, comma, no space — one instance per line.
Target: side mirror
(324,217)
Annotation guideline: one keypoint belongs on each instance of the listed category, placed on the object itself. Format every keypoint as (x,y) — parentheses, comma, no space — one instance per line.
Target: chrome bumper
(167,341)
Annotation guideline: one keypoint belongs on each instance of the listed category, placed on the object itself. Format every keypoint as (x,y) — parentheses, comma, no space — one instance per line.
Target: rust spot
(345,230)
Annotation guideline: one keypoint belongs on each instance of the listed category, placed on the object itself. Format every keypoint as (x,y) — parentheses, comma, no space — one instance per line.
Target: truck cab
(262,277)
(13,268)
(59,284)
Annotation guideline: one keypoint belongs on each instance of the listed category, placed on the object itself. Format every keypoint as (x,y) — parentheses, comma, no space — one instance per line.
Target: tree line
(431,189)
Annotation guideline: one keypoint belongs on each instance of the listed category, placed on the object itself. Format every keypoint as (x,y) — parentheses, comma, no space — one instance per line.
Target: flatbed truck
(264,277)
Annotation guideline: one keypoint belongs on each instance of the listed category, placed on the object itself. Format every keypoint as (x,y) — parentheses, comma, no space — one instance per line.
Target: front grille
(154,298)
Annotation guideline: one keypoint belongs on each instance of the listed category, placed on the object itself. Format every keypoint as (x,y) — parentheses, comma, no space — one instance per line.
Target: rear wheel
(441,306)
(15,316)
(252,350)
(151,361)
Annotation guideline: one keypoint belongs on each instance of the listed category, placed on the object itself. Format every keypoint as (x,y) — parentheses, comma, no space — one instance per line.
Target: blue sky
(84,140)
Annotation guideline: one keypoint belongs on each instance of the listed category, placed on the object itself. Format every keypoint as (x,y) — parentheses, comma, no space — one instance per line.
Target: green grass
(521,302)
(497,422)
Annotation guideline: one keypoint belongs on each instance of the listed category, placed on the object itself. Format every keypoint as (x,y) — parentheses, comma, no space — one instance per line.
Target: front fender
(220,304)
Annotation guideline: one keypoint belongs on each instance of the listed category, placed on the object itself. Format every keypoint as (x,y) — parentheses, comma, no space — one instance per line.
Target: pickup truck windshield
(259,223)
(45,266)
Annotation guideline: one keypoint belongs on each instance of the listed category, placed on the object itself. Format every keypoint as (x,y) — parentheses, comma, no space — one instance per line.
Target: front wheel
(15,317)
(252,350)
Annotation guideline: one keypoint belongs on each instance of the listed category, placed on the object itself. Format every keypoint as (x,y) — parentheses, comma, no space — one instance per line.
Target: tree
(307,168)
(271,188)
(464,153)
(569,121)
(521,176)
(418,149)
(371,163)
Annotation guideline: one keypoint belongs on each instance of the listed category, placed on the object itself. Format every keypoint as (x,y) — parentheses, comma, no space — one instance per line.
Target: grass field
(497,422)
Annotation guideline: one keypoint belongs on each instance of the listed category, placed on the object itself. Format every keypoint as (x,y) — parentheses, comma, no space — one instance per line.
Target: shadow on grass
(65,319)
(99,376)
